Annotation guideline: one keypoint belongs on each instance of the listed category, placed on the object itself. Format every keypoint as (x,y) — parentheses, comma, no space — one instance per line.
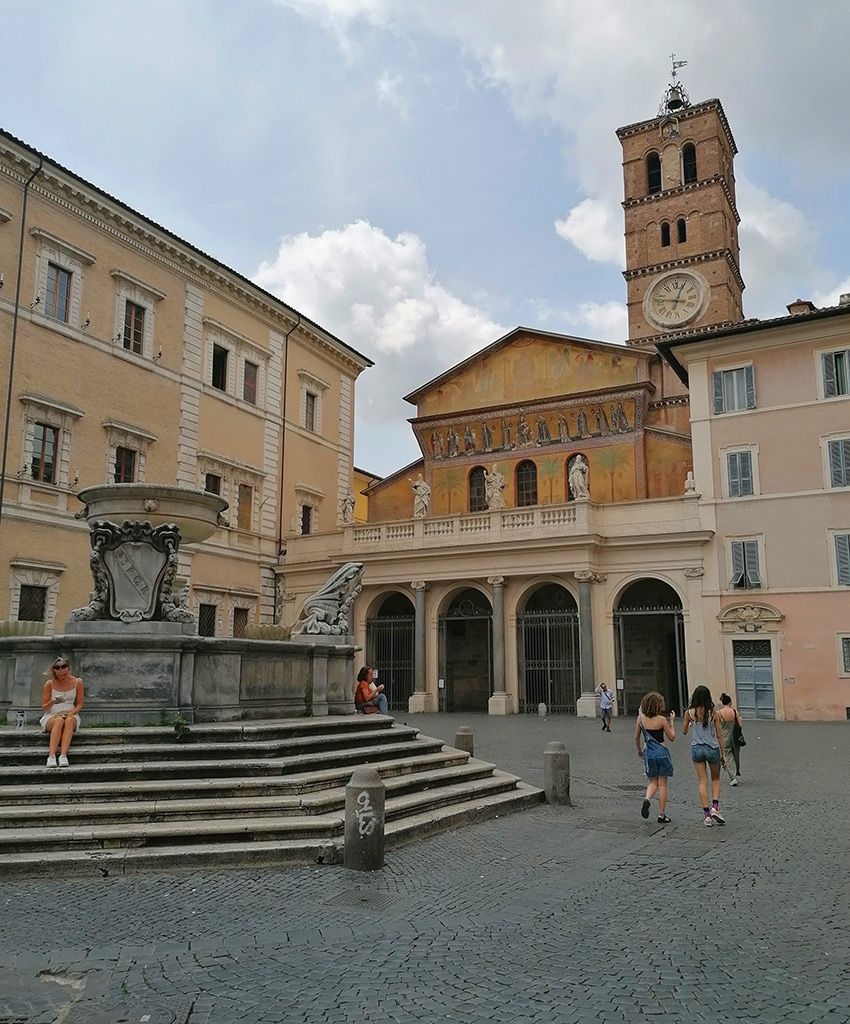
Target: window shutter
(737,563)
(750,384)
(718,391)
(734,470)
(839,463)
(751,560)
(842,558)
(830,384)
(745,471)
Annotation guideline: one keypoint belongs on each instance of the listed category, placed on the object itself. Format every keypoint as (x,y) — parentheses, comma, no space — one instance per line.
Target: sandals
(663,819)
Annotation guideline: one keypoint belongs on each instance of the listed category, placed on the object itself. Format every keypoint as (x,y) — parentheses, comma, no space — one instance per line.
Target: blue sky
(421,175)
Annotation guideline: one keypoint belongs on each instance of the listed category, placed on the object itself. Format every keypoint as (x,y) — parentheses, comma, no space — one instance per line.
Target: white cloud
(599,321)
(389,94)
(595,228)
(832,296)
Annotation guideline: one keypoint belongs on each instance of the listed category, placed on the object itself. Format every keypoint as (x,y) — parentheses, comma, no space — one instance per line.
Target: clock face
(675,300)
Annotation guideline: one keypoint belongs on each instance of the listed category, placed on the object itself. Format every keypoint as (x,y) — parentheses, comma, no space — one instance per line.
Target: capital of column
(496,581)
(589,576)
(420,585)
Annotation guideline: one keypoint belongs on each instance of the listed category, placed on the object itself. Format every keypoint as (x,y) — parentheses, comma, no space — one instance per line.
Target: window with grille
(839,463)
(134,326)
(477,490)
(682,230)
(734,389)
(751,649)
(842,559)
(845,653)
(219,367)
(310,411)
(746,574)
(125,465)
(32,603)
(206,619)
(306,519)
(240,622)
(212,483)
(249,382)
(740,473)
(665,234)
(653,173)
(45,444)
(245,501)
(526,483)
(836,373)
(57,299)
(689,163)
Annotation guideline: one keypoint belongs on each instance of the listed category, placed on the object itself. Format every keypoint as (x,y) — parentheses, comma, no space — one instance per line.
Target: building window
(526,483)
(842,559)
(734,389)
(836,373)
(32,603)
(249,383)
(219,367)
(206,619)
(57,298)
(689,163)
(739,467)
(839,463)
(310,411)
(125,465)
(240,623)
(45,444)
(245,499)
(653,173)
(682,229)
(845,654)
(477,490)
(665,234)
(212,484)
(745,565)
(306,519)
(134,327)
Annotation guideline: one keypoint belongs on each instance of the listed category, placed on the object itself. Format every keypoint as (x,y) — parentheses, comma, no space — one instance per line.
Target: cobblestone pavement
(551,916)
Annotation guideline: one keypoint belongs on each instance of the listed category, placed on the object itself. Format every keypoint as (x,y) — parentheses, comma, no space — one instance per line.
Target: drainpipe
(8,415)
(280,547)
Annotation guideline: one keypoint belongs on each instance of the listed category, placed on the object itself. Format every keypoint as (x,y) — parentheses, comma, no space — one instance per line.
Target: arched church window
(689,162)
(653,173)
(526,483)
(477,490)
(665,234)
(682,229)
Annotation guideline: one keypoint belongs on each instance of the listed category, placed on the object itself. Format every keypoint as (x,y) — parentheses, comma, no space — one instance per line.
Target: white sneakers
(51,761)
(63,761)
(733,782)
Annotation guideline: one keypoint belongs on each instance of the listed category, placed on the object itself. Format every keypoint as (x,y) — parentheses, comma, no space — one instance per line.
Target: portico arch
(465,650)
(390,646)
(548,650)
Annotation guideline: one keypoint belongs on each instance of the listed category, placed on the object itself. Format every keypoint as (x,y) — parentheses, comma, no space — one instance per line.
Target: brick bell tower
(681,222)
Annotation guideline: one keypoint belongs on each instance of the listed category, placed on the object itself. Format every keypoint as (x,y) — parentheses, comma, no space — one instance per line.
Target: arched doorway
(650,643)
(389,648)
(548,639)
(466,652)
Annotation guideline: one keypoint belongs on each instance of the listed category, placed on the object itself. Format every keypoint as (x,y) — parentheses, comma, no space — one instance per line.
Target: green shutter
(842,558)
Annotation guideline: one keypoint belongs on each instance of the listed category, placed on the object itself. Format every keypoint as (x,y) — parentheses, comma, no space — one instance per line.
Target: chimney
(844,300)
(800,306)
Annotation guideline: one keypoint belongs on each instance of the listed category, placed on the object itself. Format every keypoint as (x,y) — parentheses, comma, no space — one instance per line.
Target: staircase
(244,793)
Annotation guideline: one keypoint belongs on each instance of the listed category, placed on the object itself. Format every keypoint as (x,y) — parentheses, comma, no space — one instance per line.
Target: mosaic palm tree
(609,461)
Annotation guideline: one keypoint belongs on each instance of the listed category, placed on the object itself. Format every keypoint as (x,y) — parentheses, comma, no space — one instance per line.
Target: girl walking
(706,752)
(729,718)
(652,727)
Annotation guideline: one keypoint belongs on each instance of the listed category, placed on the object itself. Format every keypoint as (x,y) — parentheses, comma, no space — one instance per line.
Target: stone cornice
(665,403)
(60,243)
(122,275)
(695,110)
(217,325)
(29,398)
(679,190)
(685,261)
(128,428)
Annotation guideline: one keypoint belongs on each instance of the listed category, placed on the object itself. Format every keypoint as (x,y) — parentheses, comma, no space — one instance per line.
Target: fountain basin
(195,513)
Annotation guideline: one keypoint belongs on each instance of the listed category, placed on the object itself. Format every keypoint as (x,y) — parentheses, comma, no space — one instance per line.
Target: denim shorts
(659,765)
(705,752)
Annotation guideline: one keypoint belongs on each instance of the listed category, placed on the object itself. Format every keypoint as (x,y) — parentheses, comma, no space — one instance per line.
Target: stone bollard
(542,710)
(20,719)
(464,740)
(364,821)
(556,774)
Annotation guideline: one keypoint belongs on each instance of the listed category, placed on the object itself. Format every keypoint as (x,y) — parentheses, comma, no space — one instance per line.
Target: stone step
(420,804)
(89,755)
(216,732)
(72,793)
(13,775)
(172,809)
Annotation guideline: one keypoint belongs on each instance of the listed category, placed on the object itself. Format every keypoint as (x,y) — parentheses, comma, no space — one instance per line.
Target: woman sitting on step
(369,699)
(62,701)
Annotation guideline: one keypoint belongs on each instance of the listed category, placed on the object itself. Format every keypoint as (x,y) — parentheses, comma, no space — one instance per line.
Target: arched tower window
(689,162)
(477,491)
(682,229)
(526,483)
(665,234)
(653,173)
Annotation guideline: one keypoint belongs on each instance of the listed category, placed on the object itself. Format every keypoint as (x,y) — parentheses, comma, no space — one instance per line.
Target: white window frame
(834,542)
(131,289)
(124,435)
(232,474)
(733,369)
(311,384)
(41,409)
(825,441)
(240,349)
(843,650)
(305,495)
(732,567)
(27,572)
(736,449)
(819,355)
(52,249)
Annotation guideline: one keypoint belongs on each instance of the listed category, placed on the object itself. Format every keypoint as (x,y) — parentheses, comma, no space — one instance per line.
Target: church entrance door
(548,639)
(466,653)
(389,648)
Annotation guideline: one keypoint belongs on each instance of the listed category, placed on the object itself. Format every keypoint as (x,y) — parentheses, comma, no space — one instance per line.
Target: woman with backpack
(731,724)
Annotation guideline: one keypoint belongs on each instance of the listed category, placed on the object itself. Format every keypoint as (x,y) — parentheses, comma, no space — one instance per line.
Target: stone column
(586,705)
(420,700)
(499,703)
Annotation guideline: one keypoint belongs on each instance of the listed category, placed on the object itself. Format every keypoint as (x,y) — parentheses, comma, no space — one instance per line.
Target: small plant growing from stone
(182,732)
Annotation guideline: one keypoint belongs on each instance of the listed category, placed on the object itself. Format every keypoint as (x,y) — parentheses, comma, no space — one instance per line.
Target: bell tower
(681,221)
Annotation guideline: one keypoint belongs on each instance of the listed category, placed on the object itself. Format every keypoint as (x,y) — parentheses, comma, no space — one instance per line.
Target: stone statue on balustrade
(494,485)
(346,509)
(421,496)
(327,613)
(578,478)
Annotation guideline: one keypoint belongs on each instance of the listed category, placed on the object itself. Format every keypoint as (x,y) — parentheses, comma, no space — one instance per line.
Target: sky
(422,176)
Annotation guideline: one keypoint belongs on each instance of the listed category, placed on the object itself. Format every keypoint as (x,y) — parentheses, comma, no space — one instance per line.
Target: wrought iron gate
(389,649)
(549,667)
(639,679)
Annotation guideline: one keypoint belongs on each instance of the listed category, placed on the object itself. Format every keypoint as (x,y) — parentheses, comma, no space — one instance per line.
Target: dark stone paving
(551,916)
